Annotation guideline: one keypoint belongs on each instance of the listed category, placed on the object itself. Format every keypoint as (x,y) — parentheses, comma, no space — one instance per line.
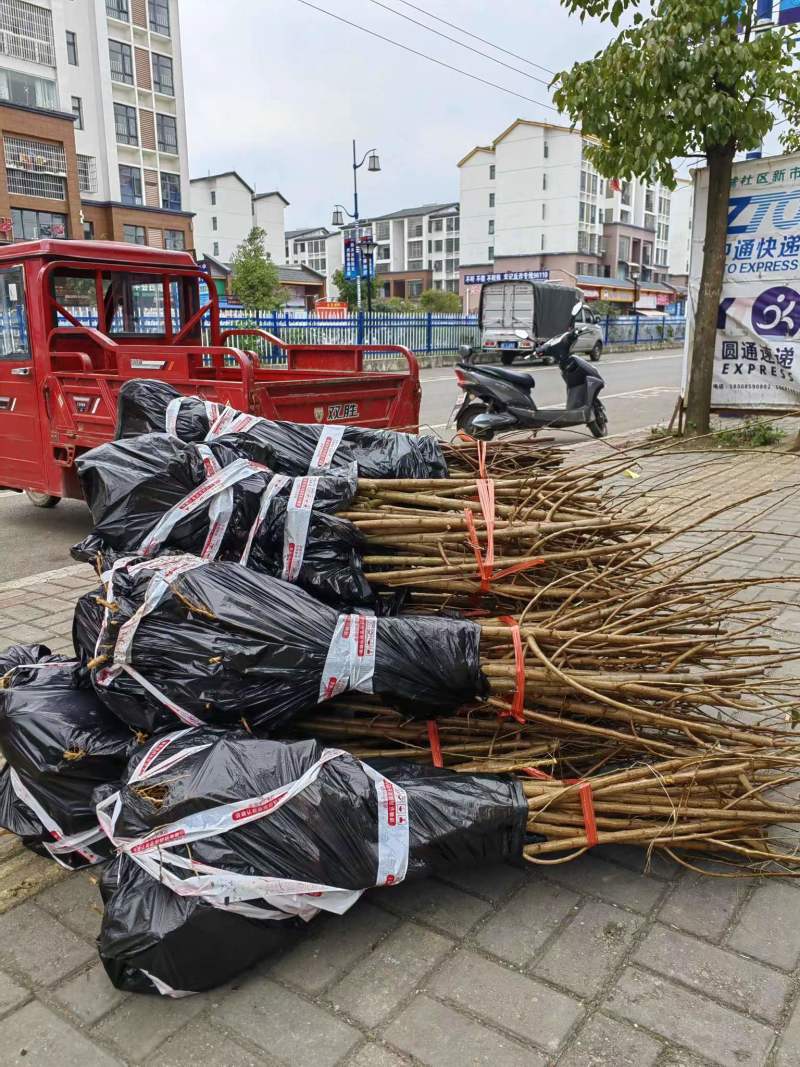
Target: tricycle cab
(79,318)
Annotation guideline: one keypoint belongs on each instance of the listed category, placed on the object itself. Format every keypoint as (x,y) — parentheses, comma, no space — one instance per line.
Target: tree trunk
(701,371)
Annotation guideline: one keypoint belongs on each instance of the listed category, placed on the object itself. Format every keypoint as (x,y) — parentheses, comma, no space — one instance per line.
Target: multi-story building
(226,208)
(531,201)
(93,124)
(308,248)
(680,241)
(417,249)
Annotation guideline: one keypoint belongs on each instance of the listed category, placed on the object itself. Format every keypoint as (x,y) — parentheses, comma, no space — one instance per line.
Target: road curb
(74,570)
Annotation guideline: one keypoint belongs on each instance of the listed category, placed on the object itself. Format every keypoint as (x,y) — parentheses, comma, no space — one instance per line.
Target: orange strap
(586,798)
(516,710)
(485,563)
(482,459)
(435,743)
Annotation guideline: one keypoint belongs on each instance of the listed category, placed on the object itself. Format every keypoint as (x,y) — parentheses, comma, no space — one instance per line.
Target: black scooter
(498,400)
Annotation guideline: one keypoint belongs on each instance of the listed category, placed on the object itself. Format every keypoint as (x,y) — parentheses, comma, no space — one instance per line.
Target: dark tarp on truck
(543,309)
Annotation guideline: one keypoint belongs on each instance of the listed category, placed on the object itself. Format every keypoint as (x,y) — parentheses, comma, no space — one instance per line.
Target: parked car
(515,318)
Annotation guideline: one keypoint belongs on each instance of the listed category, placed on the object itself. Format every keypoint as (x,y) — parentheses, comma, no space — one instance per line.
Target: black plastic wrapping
(289,446)
(326,835)
(62,742)
(131,484)
(227,644)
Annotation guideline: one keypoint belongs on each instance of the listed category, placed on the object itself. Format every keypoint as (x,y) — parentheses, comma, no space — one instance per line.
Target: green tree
(685,78)
(254,277)
(347,290)
(440,300)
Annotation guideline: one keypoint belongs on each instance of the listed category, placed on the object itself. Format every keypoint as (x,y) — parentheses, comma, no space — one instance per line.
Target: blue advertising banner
(351,259)
(789,12)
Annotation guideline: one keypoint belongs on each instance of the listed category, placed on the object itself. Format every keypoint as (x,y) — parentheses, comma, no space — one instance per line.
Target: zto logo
(776,313)
(747,214)
(319,414)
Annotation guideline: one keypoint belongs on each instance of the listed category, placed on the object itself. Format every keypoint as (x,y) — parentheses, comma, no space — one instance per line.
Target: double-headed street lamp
(339,212)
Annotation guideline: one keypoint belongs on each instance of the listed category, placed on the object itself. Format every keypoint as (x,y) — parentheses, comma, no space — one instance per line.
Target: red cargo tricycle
(79,318)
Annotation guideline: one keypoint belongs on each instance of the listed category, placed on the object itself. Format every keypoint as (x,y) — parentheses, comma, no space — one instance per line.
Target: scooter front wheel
(598,427)
(465,423)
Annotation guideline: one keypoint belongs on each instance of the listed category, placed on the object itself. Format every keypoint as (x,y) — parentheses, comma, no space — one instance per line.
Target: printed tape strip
(350,663)
(223,888)
(62,844)
(329,441)
(298,518)
(173,410)
(277,482)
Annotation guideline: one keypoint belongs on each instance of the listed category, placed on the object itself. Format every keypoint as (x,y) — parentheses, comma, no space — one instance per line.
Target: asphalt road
(641,389)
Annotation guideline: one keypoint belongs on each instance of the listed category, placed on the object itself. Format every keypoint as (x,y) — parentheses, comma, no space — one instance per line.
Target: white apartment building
(680,240)
(226,209)
(417,248)
(532,201)
(308,247)
(114,67)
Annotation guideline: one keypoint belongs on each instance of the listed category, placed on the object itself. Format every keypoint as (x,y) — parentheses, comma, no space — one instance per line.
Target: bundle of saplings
(60,743)
(220,501)
(175,638)
(289,447)
(229,843)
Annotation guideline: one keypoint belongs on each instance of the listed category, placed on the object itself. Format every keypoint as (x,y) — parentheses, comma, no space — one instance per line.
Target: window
(88,231)
(175,239)
(14,338)
(492,171)
(414,290)
(544,183)
(120,56)
(544,211)
(77,111)
(125,124)
(214,199)
(383,252)
(438,265)
(381,231)
(167,134)
(134,235)
(72,48)
(491,225)
(27,32)
(415,249)
(171,191)
(546,150)
(491,199)
(87,174)
(649,200)
(452,224)
(138,303)
(624,250)
(216,249)
(118,9)
(130,185)
(624,216)
(450,265)
(163,81)
(414,228)
(543,242)
(491,252)
(31,225)
(26,89)
(35,168)
(159,16)
(213,222)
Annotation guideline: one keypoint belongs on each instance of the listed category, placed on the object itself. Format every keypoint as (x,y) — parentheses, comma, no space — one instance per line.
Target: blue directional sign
(352,259)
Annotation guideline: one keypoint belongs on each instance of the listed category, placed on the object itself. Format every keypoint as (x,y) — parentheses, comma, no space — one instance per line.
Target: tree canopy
(440,300)
(254,277)
(684,78)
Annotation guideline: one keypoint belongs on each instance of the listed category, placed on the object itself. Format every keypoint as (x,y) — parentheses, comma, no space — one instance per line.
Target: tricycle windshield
(124,303)
(14,339)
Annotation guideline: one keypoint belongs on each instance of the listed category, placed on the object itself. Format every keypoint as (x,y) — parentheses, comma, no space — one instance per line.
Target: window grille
(87,174)
(26,31)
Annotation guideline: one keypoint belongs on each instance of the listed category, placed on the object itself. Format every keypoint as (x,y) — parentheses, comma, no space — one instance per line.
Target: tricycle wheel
(466,423)
(507,358)
(42,500)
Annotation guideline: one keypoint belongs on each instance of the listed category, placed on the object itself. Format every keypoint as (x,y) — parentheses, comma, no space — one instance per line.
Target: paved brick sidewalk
(589,964)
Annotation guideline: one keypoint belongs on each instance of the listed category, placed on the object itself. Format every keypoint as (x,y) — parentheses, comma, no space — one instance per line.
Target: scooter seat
(519,378)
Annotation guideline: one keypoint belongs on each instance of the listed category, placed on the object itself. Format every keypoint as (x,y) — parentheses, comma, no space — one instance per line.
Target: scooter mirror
(465,351)
(577,309)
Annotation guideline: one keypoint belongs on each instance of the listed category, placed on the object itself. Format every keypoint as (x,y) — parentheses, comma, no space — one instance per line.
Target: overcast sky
(277,91)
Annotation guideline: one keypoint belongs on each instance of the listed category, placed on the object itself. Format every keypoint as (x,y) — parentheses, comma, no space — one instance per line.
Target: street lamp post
(634,276)
(368,246)
(374,165)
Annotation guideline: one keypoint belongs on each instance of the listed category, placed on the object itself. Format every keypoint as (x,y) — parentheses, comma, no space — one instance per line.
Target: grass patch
(754,433)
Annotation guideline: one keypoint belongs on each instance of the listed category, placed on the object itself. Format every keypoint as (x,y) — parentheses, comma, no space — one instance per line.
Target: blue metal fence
(424,333)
